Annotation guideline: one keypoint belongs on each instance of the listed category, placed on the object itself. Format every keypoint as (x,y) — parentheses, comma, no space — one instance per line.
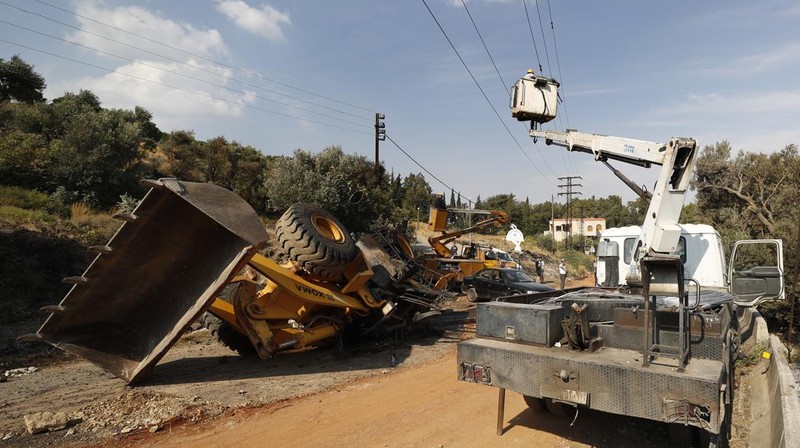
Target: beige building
(589,227)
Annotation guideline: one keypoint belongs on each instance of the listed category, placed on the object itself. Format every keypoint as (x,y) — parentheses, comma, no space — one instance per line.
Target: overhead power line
(178,61)
(193,92)
(477,84)
(502,81)
(426,170)
(544,41)
(530,27)
(194,78)
(558,62)
(168,58)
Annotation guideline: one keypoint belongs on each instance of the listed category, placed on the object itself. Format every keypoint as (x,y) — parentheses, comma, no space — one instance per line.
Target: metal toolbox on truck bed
(533,324)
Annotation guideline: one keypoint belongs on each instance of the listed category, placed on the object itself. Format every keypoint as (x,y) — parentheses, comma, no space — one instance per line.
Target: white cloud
(168,68)
(163,36)
(265,21)
(749,103)
(781,56)
(792,11)
(174,100)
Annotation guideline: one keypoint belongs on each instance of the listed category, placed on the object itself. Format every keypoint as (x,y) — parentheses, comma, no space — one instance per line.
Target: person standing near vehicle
(562,272)
(540,269)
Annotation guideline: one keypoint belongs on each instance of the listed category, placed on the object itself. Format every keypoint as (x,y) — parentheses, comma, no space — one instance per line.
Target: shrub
(78,212)
(22,198)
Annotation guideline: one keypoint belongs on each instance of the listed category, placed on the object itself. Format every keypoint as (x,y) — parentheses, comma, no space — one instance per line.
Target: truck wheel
(317,241)
(682,435)
(225,334)
(559,409)
(536,404)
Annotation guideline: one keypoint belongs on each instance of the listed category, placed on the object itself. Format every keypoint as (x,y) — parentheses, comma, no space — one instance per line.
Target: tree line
(73,149)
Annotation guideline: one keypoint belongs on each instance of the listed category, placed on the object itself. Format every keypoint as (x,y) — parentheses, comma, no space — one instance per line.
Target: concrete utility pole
(380,135)
(570,186)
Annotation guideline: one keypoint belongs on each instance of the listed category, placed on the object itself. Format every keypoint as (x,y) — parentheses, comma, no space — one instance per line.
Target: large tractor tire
(317,241)
(225,334)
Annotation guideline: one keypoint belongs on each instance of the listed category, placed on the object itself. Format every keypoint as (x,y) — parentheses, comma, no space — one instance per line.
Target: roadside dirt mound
(33,265)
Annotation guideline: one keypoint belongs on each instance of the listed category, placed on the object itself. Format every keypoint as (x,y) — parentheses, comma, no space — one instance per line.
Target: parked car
(491,283)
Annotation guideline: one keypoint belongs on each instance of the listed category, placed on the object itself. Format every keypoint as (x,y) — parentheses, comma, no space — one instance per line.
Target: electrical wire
(177,61)
(544,41)
(530,27)
(536,167)
(194,78)
(241,70)
(203,94)
(426,170)
(502,82)
(558,62)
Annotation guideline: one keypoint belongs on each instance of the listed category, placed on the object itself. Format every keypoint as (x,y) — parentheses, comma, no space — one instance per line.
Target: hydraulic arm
(439,243)
(660,231)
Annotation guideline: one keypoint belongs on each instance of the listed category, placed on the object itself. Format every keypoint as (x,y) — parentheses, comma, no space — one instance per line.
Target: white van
(700,249)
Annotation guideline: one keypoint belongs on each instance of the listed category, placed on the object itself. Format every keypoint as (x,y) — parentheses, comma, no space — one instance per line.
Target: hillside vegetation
(68,163)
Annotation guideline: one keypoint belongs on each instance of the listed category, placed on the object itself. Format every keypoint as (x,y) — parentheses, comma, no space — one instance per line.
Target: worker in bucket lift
(530,74)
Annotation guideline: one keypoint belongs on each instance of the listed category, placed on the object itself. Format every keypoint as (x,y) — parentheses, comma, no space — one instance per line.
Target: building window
(589,228)
(558,228)
(599,227)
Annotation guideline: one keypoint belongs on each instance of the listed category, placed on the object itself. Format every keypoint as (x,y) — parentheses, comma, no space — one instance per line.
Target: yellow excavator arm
(439,218)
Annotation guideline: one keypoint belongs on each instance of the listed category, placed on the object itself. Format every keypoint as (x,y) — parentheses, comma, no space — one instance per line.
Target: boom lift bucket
(534,99)
(159,272)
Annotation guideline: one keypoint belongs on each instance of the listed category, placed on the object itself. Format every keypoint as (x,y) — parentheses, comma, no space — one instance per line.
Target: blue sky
(265,73)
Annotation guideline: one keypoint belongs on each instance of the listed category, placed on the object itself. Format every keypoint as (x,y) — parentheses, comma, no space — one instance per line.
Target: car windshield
(503,256)
(517,276)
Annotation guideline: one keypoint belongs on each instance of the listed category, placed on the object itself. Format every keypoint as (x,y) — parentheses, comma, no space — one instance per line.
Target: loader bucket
(157,274)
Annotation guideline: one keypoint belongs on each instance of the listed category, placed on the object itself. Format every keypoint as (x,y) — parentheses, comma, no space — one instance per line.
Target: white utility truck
(699,249)
(659,345)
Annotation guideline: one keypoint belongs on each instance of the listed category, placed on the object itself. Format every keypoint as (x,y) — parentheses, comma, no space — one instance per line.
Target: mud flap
(158,273)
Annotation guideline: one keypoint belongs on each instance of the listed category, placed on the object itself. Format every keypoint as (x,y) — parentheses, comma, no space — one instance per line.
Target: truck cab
(699,249)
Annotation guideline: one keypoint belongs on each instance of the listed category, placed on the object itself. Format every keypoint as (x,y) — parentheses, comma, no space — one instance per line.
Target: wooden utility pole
(380,135)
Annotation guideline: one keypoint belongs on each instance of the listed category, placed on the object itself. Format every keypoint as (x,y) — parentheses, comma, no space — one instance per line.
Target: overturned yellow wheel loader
(186,243)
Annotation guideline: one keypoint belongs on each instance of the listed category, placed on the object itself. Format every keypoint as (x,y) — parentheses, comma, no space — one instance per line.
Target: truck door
(755,272)
(608,263)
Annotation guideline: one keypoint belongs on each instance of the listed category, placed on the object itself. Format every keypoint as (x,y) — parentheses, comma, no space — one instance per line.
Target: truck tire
(224,333)
(318,242)
(536,404)
(559,409)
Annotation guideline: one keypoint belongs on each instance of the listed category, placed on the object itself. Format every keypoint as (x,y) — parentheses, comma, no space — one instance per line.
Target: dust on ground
(400,392)
(200,379)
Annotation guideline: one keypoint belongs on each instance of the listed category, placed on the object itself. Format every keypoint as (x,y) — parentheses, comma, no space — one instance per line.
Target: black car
(491,283)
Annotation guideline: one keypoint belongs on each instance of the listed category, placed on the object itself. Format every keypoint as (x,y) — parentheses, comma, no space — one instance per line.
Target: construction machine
(450,267)
(191,247)
(661,347)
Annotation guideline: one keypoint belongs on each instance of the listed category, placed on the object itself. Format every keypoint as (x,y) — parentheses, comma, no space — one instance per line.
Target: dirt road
(417,406)
(202,394)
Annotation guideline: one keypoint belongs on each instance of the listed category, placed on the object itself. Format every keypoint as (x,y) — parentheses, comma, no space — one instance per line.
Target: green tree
(343,184)
(753,195)
(19,82)
(176,155)
(418,194)
(98,156)
(762,186)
